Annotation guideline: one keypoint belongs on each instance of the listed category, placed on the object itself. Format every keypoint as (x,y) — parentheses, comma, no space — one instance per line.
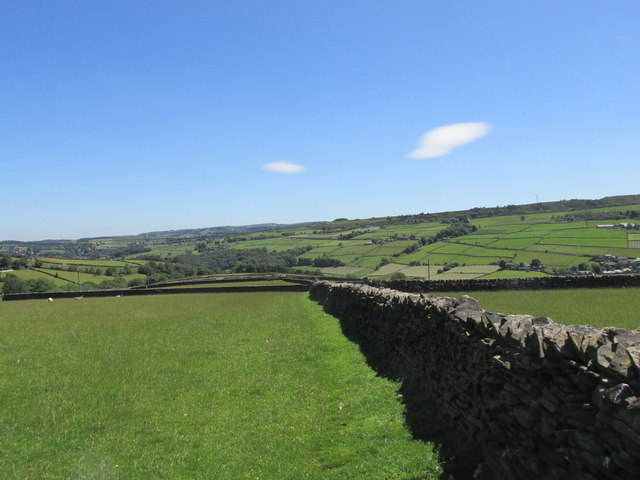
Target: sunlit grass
(221,386)
(603,307)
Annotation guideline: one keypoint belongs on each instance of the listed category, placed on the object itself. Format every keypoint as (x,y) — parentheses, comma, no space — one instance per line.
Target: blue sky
(128,117)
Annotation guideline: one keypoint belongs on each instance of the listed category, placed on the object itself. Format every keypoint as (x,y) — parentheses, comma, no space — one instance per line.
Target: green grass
(616,209)
(318,252)
(278,244)
(417,229)
(588,251)
(438,259)
(33,275)
(486,252)
(367,262)
(515,243)
(134,275)
(341,270)
(549,258)
(358,250)
(347,259)
(515,274)
(73,276)
(453,248)
(221,386)
(481,269)
(421,271)
(91,263)
(587,233)
(603,307)
(388,269)
(478,239)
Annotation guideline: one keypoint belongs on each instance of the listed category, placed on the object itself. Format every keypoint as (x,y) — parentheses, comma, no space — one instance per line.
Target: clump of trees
(458,227)
(325,262)
(448,266)
(7,261)
(13,284)
(398,276)
(219,260)
(163,271)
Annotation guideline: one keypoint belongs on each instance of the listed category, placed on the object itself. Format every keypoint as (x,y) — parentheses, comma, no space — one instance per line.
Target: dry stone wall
(545,400)
(531,283)
(154,291)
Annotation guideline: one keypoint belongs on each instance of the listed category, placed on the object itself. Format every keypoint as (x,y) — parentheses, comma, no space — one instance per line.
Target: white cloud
(283,167)
(441,140)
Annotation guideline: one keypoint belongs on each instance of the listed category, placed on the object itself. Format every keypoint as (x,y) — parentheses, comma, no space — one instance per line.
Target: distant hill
(511,234)
(226,230)
(477,212)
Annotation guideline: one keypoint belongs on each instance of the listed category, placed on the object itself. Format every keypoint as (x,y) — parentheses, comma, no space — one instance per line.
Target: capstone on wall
(531,283)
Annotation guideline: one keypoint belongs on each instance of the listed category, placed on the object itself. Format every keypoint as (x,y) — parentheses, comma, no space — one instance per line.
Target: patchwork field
(435,272)
(277,244)
(512,238)
(561,239)
(222,386)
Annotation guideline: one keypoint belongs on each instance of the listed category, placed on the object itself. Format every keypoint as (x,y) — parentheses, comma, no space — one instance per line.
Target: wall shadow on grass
(460,456)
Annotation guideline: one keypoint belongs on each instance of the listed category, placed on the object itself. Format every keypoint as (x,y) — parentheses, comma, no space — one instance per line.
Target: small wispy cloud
(283,167)
(441,140)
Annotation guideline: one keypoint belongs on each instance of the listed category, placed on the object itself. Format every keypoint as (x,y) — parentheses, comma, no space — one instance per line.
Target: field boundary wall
(531,283)
(544,400)
(154,291)
(52,275)
(230,279)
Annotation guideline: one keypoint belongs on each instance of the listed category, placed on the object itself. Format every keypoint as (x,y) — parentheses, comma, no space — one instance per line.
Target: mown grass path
(224,386)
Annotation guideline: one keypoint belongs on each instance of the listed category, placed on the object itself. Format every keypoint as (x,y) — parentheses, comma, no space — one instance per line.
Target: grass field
(340,270)
(388,269)
(89,263)
(34,275)
(278,244)
(603,307)
(431,271)
(515,274)
(73,276)
(195,387)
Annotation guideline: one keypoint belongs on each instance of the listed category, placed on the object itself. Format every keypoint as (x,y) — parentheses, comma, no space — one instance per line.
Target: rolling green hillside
(554,237)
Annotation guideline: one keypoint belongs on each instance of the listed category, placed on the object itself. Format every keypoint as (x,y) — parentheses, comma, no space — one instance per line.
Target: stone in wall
(544,400)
